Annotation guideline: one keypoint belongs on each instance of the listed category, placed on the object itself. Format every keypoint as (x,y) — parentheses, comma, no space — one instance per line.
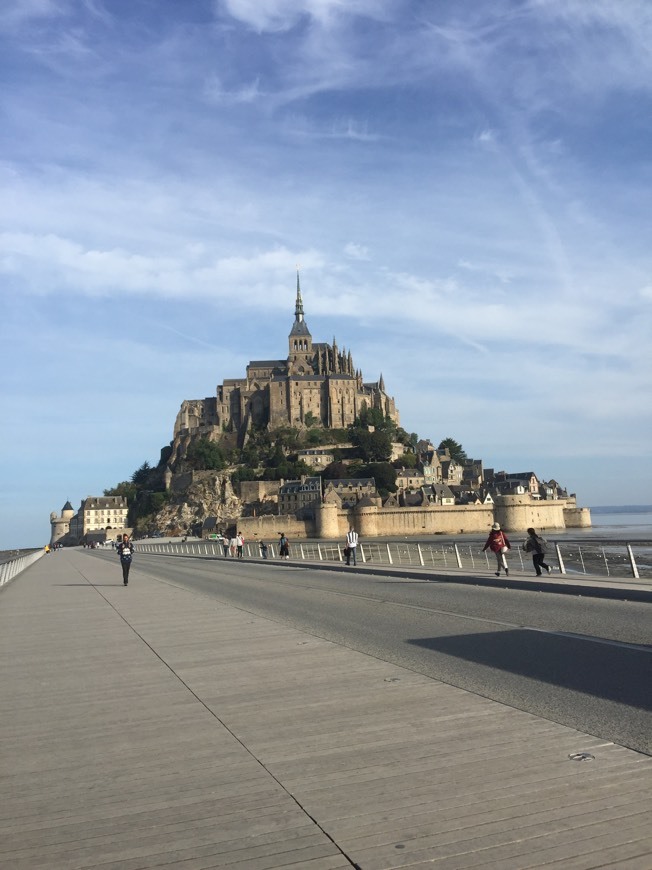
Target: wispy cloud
(215,92)
(283,15)
(465,186)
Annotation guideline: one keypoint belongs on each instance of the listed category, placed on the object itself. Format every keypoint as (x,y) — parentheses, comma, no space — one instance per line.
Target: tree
(455,450)
(287,470)
(384,475)
(126,489)
(205,455)
(372,446)
(141,475)
(407,460)
(335,471)
(372,417)
(315,437)
(244,473)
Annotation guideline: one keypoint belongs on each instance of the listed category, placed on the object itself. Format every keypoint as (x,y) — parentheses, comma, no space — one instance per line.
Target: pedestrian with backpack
(283,547)
(537,545)
(499,545)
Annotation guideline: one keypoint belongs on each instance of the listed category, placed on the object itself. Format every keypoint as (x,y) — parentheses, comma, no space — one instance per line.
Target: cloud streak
(464,186)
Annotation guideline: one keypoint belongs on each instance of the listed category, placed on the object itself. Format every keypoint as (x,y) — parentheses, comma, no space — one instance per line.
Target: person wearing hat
(498,543)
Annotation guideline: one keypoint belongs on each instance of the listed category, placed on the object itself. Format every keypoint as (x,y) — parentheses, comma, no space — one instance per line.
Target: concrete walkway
(150,726)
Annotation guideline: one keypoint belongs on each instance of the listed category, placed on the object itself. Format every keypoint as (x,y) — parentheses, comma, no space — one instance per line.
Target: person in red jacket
(498,544)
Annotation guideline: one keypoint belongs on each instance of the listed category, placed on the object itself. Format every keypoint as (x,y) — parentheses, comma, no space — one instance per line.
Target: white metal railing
(16,564)
(609,559)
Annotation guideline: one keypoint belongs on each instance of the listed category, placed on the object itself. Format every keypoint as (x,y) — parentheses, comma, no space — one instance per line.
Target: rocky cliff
(196,495)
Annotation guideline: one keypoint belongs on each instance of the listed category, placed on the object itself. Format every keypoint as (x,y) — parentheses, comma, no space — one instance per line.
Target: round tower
(366,513)
(516,513)
(61,525)
(327,518)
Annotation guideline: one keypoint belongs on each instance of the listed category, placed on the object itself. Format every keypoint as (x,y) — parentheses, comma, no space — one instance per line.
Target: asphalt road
(582,662)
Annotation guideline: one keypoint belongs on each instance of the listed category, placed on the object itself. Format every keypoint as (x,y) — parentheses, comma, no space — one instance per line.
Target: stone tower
(300,352)
(61,525)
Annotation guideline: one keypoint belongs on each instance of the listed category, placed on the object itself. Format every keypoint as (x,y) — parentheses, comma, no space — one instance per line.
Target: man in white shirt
(351,545)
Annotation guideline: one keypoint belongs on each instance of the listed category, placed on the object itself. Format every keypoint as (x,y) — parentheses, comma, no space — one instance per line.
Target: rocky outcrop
(196,495)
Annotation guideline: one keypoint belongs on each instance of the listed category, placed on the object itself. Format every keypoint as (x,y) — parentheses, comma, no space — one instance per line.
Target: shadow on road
(604,670)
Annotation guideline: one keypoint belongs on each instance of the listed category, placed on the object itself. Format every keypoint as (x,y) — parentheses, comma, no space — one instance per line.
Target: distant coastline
(622,509)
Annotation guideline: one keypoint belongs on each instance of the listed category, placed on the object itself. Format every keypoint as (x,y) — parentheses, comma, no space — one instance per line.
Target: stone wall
(514,513)
(269,528)
(577,518)
(257,490)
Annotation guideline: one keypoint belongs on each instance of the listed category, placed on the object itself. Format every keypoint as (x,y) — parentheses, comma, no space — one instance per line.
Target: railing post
(303,558)
(321,558)
(339,553)
(457,556)
(562,567)
(606,564)
(364,559)
(389,554)
(632,561)
(421,562)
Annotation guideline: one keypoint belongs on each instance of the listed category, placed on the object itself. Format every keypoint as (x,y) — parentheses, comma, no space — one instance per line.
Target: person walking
(263,549)
(239,544)
(283,547)
(537,545)
(233,546)
(225,546)
(351,545)
(125,552)
(498,543)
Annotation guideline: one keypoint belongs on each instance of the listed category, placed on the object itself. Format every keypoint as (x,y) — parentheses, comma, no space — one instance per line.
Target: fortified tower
(61,525)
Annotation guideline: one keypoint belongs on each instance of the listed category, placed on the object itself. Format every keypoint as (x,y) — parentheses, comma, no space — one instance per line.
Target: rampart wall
(514,513)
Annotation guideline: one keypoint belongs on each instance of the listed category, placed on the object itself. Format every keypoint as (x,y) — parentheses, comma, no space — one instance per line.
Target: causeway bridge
(222,714)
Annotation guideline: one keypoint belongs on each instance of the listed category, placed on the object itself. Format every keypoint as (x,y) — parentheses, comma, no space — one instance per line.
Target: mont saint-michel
(305,443)
(317,384)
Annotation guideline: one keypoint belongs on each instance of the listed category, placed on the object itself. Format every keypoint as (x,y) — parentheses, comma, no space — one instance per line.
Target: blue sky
(465,186)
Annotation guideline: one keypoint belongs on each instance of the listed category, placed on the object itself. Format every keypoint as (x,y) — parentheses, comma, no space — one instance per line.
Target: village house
(352,490)
(299,497)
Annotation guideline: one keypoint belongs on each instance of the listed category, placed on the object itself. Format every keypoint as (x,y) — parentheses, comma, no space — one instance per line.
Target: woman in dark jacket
(125,551)
(537,545)
(283,547)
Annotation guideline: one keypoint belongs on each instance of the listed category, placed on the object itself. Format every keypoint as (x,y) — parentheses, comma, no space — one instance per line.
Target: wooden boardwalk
(153,727)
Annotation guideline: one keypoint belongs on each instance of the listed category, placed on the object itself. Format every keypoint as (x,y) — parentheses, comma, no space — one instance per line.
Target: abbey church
(316,384)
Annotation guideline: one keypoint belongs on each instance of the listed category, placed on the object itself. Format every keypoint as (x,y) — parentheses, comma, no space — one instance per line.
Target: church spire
(298,308)
(300,338)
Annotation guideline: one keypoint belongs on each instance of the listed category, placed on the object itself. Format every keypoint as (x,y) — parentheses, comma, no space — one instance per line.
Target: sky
(465,188)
